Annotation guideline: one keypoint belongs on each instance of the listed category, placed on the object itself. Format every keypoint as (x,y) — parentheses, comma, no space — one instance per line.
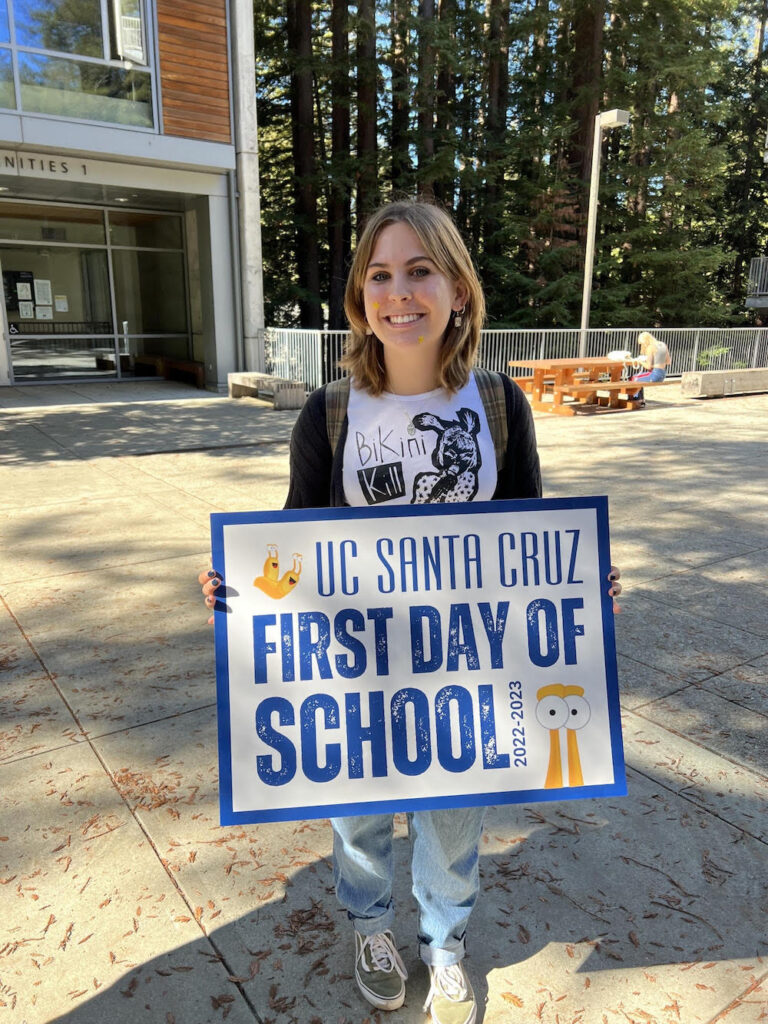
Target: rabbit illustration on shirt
(456,458)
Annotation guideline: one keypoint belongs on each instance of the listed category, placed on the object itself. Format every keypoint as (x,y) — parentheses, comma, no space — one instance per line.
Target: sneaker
(451,999)
(379,971)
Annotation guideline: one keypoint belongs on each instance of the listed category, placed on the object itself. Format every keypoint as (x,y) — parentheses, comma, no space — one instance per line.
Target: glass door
(92,292)
(56,292)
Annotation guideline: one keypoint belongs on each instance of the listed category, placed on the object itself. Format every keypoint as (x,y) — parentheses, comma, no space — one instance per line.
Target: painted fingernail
(215,582)
(211,573)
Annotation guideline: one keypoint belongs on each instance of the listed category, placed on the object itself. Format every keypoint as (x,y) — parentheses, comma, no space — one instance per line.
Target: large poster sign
(373,660)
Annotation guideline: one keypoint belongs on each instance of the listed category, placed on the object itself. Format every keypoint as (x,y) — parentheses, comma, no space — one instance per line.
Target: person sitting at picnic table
(654,358)
(415,307)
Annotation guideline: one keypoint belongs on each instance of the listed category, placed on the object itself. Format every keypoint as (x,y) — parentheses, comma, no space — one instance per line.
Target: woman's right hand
(210,581)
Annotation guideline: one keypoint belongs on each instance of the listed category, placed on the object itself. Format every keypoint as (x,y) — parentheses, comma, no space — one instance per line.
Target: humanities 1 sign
(397,660)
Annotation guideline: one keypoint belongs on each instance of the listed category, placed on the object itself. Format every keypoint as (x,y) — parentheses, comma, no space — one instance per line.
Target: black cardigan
(317,475)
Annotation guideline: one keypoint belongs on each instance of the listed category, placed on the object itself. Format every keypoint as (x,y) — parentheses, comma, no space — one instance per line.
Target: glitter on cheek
(421,338)
(376,305)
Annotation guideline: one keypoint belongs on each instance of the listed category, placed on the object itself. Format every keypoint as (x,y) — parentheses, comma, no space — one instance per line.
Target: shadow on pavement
(568,889)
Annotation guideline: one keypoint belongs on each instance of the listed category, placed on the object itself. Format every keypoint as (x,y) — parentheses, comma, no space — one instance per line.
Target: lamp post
(608,119)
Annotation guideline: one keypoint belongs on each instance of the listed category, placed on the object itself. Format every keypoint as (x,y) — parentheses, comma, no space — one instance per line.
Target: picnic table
(567,386)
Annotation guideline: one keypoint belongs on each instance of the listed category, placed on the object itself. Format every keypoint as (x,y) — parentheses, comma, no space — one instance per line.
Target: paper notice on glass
(24,291)
(61,303)
(43,295)
(27,310)
(44,312)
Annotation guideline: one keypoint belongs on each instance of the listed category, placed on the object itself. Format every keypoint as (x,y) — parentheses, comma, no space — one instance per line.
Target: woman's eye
(420,272)
(379,276)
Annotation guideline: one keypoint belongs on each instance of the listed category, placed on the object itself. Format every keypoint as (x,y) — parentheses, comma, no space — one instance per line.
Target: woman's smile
(404,318)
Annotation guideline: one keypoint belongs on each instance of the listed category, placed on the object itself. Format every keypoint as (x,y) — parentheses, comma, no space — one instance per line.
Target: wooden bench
(526,383)
(283,392)
(187,370)
(108,363)
(616,394)
(148,366)
(616,385)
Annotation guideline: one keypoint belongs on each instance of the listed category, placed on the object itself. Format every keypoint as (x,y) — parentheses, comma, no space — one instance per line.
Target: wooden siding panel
(214,106)
(194,68)
(206,78)
(191,128)
(190,120)
(176,54)
(186,18)
(183,42)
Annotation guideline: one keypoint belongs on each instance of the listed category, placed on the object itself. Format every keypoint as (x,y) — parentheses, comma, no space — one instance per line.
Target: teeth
(408,318)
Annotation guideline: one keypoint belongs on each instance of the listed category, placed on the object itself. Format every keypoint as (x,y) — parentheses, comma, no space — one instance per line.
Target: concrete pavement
(123,900)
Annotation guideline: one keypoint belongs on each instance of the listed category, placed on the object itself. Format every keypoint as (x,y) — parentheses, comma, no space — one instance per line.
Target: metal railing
(309,356)
(22,328)
(757,282)
(313,356)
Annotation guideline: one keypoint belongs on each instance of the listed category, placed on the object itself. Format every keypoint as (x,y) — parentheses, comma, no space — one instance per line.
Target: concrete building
(129,195)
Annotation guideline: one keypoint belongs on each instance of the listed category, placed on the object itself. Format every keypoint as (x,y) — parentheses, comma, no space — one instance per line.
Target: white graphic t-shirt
(414,449)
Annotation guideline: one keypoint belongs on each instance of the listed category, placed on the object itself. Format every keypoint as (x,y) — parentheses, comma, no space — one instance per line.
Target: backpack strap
(491,388)
(336,401)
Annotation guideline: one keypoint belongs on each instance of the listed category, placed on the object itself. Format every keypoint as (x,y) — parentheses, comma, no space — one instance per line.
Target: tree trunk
(425,99)
(339,198)
(467,130)
(445,106)
(399,134)
(587,81)
(668,195)
(367,183)
(540,55)
(496,119)
(299,24)
(754,133)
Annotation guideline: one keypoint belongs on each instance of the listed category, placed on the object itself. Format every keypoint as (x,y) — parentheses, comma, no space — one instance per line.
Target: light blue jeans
(444,869)
(657,373)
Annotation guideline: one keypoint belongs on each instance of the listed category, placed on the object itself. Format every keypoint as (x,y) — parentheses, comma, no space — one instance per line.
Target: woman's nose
(400,287)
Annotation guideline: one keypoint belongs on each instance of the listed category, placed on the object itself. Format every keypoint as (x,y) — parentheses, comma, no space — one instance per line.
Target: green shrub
(710,356)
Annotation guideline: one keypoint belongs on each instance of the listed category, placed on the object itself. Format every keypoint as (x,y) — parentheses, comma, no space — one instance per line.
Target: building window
(80,59)
(5,31)
(60,25)
(7,88)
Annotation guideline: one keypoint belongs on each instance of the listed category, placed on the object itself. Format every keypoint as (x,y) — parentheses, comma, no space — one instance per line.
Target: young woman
(415,308)
(653,360)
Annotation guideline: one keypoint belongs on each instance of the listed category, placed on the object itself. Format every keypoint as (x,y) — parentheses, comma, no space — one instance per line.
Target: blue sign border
(228,816)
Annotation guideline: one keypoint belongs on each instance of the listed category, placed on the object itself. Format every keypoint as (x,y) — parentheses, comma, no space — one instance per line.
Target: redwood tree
(299,25)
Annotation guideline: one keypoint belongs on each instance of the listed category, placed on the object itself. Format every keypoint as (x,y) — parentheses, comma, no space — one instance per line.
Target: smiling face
(408,300)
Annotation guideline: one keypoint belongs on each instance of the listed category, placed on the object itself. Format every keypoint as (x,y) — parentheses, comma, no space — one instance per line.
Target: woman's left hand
(210,581)
(613,576)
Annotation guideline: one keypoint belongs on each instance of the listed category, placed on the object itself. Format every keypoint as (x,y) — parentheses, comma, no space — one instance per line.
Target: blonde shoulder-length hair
(646,341)
(363,354)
